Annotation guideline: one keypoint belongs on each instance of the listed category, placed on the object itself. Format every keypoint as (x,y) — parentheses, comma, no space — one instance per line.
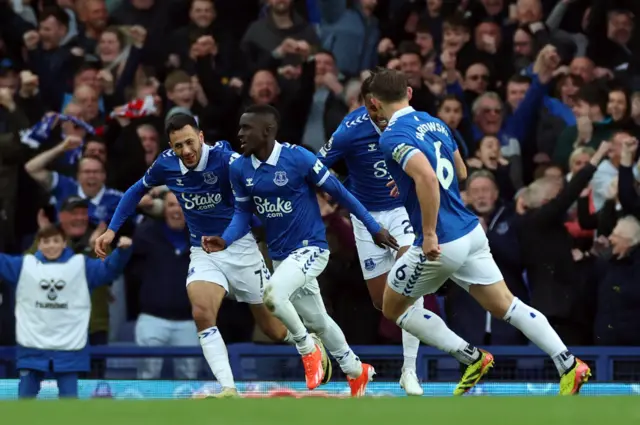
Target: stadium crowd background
(530,88)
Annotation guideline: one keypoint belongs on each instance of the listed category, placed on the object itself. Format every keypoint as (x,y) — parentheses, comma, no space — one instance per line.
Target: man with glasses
(88,184)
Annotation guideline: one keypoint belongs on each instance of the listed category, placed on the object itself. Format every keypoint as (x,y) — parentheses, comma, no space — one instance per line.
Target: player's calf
(534,325)
(206,298)
(269,324)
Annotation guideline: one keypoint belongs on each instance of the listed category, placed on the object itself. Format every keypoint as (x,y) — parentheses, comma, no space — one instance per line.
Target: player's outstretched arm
(10,268)
(125,209)
(240,222)
(242,215)
(381,236)
(127,205)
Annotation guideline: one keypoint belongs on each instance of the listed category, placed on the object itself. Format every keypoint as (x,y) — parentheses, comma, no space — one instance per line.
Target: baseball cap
(73,202)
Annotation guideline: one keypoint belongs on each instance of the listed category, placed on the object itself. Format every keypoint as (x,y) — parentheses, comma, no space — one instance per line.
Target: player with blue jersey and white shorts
(356,141)
(423,159)
(277,182)
(198,174)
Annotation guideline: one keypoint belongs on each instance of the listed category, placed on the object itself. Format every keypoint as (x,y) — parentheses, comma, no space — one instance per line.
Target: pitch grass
(315,411)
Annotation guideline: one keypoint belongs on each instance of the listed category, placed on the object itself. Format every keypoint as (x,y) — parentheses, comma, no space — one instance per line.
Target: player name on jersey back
(410,132)
(356,141)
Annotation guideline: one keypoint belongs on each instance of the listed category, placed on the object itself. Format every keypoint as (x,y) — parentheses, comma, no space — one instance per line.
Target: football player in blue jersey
(423,159)
(277,181)
(198,174)
(356,141)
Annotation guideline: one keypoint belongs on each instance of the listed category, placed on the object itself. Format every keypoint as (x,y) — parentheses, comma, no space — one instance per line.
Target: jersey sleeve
(241,196)
(62,186)
(127,205)
(334,150)
(315,171)
(397,146)
(154,175)
(242,215)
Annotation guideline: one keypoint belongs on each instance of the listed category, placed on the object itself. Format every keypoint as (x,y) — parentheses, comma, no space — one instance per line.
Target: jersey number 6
(444,168)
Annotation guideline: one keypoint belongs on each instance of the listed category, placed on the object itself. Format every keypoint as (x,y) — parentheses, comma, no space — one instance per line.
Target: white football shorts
(239,269)
(297,274)
(467,261)
(376,261)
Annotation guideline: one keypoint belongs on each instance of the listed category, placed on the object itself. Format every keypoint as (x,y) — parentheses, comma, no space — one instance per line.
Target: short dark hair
(365,87)
(423,27)
(58,14)
(179,121)
(50,231)
(389,85)
(454,22)
(94,158)
(593,95)
(408,47)
(326,52)
(264,110)
(520,79)
(448,97)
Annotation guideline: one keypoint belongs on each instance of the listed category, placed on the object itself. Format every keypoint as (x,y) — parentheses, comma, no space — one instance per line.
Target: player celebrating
(356,140)
(450,242)
(277,182)
(198,175)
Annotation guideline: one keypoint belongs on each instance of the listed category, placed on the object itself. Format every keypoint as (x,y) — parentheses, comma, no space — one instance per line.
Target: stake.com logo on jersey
(273,210)
(201,202)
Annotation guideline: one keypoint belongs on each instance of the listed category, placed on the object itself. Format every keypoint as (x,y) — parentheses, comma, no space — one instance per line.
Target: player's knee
(377,304)
(389,313)
(268,298)
(274,296)
(496,298)
(203,315)
(275,331)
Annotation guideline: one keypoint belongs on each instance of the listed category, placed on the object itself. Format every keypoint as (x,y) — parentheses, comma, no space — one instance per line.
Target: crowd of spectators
(535,92)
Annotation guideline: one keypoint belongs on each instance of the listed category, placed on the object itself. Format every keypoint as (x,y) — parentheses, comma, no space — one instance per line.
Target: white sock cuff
(405,316)
(512,307)
(208,334)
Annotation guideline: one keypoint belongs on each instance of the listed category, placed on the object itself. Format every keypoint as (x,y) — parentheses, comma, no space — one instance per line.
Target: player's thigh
(207,285)
(376,288)
(151,331)
(245,269)
(399,226)
(374,260)
(481,277)
(296,274)
(414,276)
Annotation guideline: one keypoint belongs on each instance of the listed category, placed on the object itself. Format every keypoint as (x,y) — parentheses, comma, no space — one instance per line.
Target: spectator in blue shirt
(89,184)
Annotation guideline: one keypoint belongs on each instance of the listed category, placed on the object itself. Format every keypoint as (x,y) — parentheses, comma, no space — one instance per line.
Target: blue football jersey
(204,193)
(101,207)
(281,192)
(408,133)
(356,141)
